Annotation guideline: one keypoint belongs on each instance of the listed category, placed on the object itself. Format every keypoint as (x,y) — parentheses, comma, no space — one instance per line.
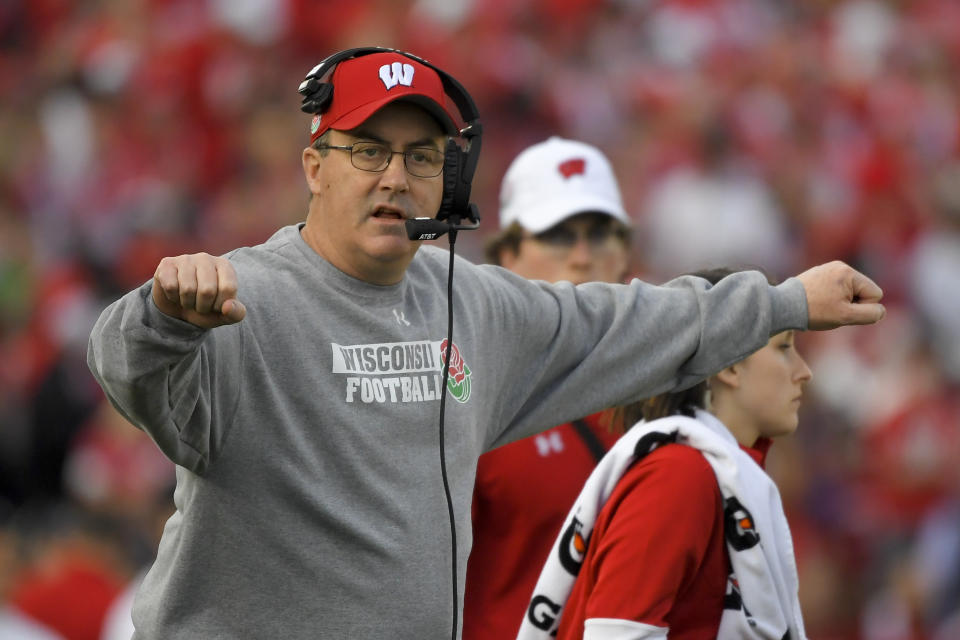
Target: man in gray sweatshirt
(297,384)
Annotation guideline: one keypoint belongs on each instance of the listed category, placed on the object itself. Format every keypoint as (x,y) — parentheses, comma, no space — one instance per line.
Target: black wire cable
(443,454)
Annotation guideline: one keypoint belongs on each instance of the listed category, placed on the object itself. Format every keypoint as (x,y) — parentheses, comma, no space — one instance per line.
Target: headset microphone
(426,228)
(431,228)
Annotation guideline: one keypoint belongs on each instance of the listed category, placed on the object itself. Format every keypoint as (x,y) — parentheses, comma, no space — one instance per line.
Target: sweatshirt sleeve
(577,350)
(159,373)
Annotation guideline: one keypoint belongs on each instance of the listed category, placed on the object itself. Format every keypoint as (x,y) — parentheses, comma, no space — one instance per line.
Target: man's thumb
(233,310)
(865,313)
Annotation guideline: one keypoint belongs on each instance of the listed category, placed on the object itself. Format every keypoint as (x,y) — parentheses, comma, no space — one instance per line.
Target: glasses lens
(600,233)
(370,156)
(423,162)
(563,236)
(559,236)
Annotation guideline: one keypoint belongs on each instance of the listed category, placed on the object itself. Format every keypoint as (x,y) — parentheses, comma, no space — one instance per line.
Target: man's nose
(395,176)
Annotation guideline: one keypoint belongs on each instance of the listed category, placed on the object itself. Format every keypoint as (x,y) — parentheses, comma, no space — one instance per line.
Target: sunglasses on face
(566,237)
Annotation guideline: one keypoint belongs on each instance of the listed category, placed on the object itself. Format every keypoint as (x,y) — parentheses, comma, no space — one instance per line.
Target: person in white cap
(561,218)
(297,384)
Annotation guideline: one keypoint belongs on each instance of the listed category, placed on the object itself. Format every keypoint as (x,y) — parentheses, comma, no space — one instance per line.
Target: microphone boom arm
(431,228)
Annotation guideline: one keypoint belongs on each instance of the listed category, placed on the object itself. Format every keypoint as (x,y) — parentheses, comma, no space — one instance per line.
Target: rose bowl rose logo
(458,382)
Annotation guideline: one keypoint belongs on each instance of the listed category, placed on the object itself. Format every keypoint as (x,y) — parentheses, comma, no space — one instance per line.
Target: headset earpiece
(316,95)
(452,200)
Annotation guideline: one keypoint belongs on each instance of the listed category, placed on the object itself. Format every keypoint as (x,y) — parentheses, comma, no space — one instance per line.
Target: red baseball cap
(364,84)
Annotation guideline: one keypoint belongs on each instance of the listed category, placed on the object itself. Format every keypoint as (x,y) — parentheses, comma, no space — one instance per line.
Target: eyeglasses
(375,157)
(563,238)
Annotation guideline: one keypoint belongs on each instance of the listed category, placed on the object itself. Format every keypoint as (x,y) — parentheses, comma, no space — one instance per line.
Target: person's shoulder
(676,456)
(281,261)
(435,255)
(673,484)
(282,239)
(434,260)
(282,252)
(680,466)
(432,252)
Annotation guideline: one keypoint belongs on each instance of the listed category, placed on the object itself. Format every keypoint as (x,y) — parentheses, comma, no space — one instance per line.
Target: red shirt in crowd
(522,495)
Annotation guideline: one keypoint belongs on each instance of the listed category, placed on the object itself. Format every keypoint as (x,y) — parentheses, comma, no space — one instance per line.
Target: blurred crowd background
(779,133)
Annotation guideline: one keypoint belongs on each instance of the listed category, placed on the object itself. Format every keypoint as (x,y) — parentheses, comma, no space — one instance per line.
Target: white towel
(764,568)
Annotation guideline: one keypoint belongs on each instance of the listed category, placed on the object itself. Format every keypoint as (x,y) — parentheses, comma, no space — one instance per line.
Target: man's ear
(311,168)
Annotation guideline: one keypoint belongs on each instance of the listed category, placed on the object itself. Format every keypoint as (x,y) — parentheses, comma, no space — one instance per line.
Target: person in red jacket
(664,538)
(561,218)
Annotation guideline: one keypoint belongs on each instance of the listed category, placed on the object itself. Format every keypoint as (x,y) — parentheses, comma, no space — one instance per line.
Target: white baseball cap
(556,179)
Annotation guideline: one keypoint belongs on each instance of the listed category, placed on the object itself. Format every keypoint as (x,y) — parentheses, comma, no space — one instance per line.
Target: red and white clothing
(656,536)
(666,516)
(522,494)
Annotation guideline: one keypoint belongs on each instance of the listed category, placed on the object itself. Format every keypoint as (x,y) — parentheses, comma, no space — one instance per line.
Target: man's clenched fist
(199,288)
(838,295)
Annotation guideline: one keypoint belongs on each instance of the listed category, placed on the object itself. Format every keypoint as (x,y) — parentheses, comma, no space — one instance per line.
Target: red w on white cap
(555,180)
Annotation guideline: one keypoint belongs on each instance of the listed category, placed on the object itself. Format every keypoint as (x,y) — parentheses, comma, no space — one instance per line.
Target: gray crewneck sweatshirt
(309,495)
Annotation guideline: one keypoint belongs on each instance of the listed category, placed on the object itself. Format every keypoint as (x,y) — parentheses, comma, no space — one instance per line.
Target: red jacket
(522,494)
(657,553)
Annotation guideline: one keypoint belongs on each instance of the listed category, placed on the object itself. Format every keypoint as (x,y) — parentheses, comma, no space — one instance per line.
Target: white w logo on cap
(396,73)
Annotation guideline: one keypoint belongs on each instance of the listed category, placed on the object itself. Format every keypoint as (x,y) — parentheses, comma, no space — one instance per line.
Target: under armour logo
(548,443)
(400,319)
(571,167)
(397,73)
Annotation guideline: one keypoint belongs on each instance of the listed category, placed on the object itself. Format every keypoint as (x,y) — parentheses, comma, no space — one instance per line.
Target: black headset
(459,162)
